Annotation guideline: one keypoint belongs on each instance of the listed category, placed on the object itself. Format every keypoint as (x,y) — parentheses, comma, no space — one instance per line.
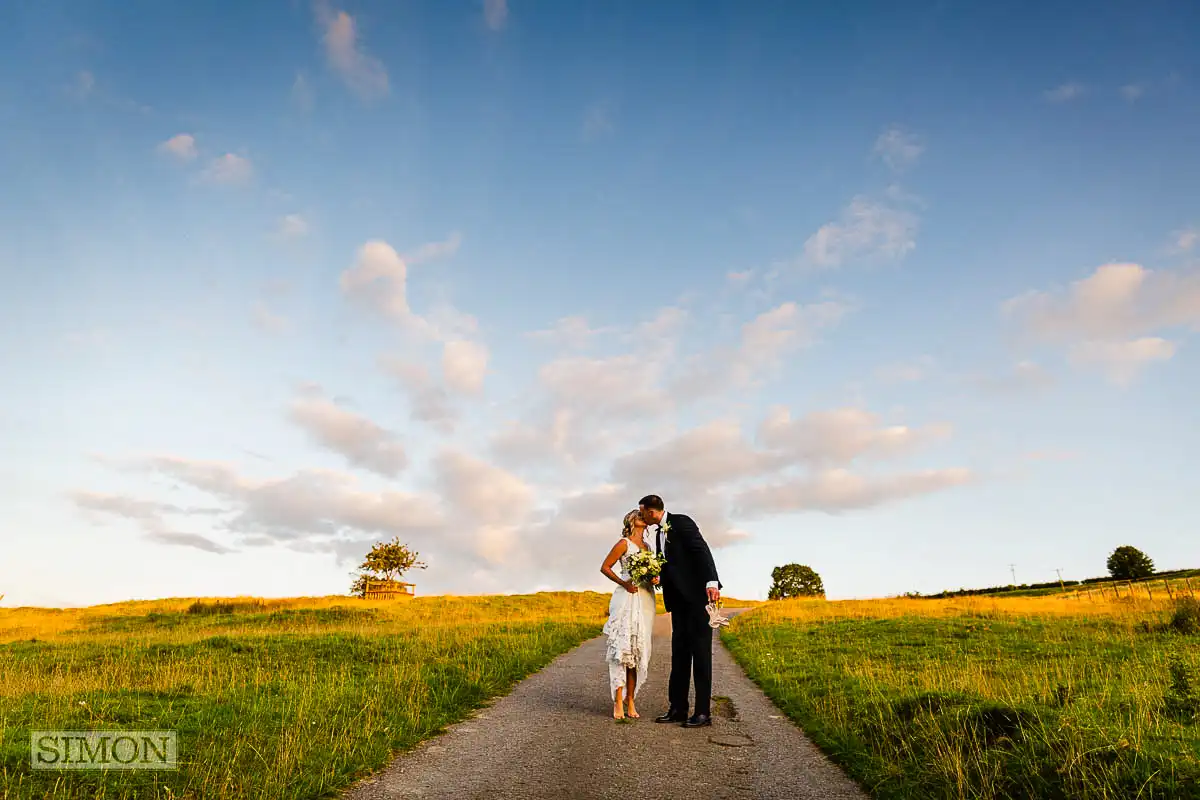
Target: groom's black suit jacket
(689,566)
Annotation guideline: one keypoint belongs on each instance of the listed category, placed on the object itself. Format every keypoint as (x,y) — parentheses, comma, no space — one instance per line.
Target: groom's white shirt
(662,545)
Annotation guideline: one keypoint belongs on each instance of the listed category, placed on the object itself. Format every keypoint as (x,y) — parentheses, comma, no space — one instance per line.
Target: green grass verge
(293,703)
(987,705)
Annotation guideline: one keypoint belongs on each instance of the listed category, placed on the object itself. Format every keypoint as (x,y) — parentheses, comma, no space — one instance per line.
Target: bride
(630,620)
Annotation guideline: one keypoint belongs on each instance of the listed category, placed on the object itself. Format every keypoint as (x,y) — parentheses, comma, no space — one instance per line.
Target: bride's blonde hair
(627,528)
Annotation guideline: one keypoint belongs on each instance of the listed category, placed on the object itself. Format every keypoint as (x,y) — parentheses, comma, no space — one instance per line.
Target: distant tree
(795,580)
(387,561)
(1129,564)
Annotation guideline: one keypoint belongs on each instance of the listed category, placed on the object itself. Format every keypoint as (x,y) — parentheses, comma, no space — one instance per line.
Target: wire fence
(1150,587)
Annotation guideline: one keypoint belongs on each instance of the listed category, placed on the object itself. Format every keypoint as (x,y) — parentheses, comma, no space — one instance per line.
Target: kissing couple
(690,589)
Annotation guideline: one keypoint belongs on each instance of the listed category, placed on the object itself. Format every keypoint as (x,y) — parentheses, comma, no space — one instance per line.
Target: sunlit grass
(1034,697)
(274,698)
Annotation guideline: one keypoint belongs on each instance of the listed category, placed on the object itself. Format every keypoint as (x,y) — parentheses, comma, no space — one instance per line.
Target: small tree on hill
(795,580)
(1129,564)
(387,561)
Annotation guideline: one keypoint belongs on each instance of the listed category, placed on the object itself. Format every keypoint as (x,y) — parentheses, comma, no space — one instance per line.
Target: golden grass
(987,697)
(271,698)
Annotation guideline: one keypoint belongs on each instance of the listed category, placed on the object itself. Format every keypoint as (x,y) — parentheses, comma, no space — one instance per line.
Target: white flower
(643,566)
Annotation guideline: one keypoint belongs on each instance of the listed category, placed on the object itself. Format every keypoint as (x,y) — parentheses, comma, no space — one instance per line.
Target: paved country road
(554,737)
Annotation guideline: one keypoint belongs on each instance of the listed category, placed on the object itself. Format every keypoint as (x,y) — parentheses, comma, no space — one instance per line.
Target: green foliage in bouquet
(644,566)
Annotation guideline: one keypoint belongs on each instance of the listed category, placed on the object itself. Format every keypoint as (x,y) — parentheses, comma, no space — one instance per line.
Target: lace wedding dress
(629,627)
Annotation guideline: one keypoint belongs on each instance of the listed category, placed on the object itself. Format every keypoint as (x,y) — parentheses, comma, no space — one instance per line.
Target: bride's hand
(631,587)
(655,580)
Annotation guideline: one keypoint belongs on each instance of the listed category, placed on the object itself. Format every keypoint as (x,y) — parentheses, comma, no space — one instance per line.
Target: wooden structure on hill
(389,590)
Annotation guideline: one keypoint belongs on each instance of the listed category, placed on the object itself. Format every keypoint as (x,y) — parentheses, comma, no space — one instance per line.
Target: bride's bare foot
(631,712)
(618,707)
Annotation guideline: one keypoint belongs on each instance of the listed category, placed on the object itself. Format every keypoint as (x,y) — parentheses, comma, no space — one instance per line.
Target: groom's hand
(714,594)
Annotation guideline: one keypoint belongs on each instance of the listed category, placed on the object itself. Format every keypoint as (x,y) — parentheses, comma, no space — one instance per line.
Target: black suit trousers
(691,657)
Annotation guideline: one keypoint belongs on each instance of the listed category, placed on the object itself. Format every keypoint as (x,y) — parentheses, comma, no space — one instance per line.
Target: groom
(689,582)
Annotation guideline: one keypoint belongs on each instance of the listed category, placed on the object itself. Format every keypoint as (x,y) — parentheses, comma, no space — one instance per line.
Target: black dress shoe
(698,721)
(672,716)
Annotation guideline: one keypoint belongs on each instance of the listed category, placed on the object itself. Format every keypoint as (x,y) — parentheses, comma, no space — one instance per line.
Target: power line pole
(1061,585)
(1013,569)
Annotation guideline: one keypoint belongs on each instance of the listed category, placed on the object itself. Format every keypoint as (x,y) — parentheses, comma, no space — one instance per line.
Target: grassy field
(987,697)
(291,698)
(1181,581)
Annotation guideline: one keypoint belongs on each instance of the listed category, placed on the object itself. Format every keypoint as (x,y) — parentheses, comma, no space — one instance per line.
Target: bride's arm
(606,568)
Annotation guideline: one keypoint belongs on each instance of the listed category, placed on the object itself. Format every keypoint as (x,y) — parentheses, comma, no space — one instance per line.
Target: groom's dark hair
(652,501)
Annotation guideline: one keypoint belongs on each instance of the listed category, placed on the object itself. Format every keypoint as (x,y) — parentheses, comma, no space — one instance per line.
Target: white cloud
(495,13)
(363,73)
(269,321)
(464,365)
(432,250)
(898,148)
(868,230)
(572,333)
(150,516)
(705,457)
(1116,301)
(776,332)
(587,408)
(764,344)
(839,436)
(1184,241)
(739,279)
(360,441)
(482,491)
(838,490)
(181,146)
(520,444)
(1133,91)
(310,507)
(611,386)
(492,506)
(1024,376)
(709,466)
(302,93)
(229,169)
(379,280)
(1104,318)
(428,401)
(1065,92)
(912,371)
(606,502)
(293,226)
(1122,361)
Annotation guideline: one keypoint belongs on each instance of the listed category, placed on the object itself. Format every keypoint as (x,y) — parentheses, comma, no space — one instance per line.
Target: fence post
(1148,592)
(1191,591)
(1167,584)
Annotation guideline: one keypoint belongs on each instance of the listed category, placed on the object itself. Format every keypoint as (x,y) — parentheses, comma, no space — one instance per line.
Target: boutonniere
(666,527)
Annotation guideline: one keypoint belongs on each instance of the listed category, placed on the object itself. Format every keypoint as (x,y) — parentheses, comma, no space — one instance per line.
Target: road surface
(553,738)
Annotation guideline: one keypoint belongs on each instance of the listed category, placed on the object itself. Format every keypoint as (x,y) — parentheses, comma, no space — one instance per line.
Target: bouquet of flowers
(645,566)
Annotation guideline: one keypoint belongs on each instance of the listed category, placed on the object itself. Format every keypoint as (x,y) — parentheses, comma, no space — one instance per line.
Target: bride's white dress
(629,628)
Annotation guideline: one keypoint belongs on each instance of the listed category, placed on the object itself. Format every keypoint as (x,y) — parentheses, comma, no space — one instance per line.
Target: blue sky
(907,295)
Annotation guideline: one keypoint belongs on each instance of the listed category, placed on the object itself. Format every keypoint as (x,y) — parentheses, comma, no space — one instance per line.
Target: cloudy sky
(908,296)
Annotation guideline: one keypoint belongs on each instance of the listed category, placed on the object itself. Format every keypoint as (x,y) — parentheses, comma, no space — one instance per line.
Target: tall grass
(987,697)
(290,698)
